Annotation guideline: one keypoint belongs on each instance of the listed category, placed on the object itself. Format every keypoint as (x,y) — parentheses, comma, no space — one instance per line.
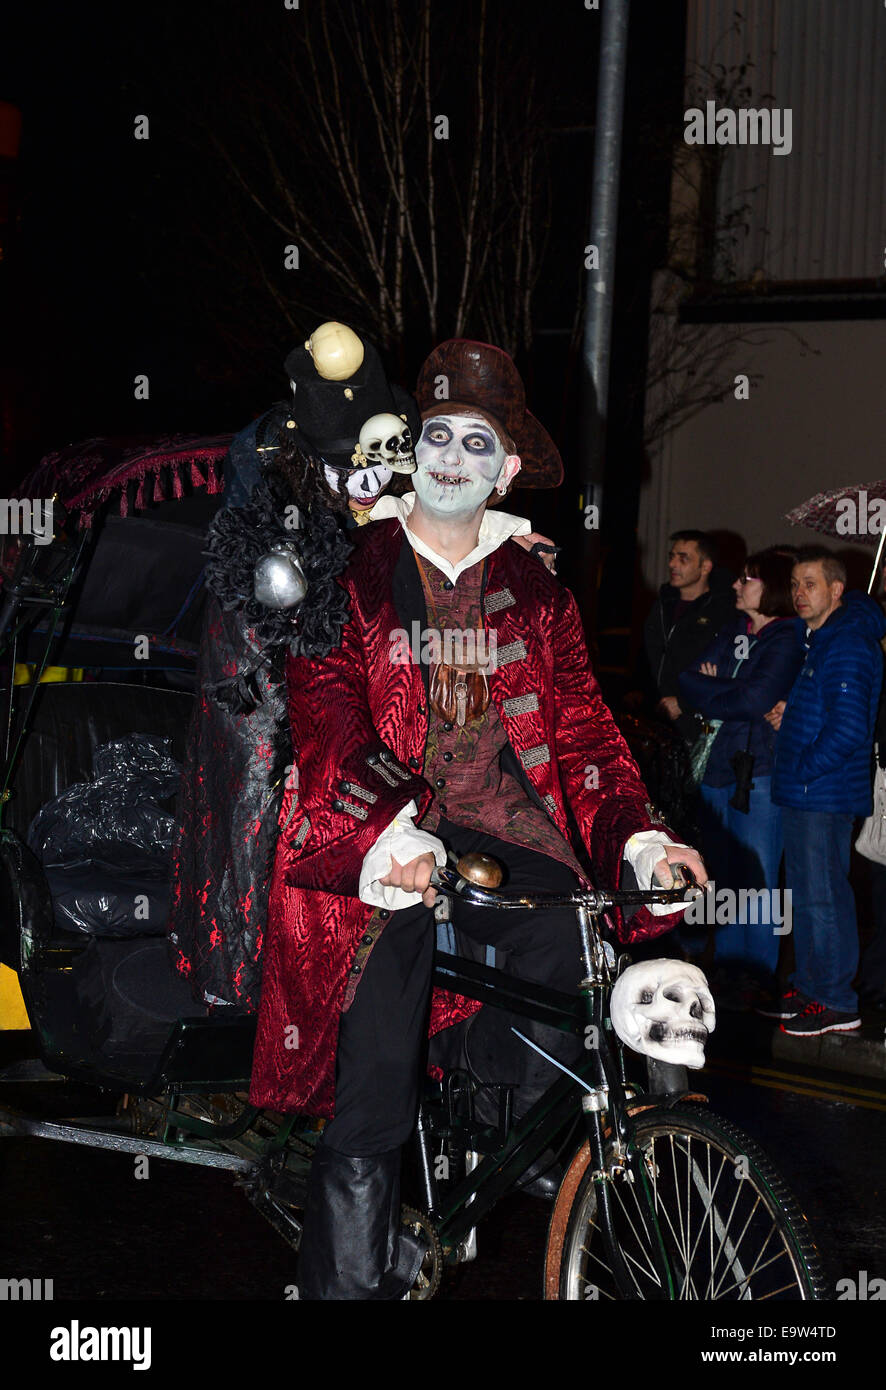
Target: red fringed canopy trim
(164,476)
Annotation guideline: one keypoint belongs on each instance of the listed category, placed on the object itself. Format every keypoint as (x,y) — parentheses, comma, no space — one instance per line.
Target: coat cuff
(401,840)
(643,851)
(343,815)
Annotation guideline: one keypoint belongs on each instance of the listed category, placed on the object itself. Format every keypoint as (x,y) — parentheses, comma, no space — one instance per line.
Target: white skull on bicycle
(664,1009)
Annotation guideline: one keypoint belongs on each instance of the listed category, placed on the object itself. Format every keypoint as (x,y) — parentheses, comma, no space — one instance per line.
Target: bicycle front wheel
(728,1225)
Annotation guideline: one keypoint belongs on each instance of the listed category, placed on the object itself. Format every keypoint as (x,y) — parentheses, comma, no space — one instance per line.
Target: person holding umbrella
(750,665)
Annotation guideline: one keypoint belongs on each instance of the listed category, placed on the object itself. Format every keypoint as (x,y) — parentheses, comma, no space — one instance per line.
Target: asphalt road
(83,1219)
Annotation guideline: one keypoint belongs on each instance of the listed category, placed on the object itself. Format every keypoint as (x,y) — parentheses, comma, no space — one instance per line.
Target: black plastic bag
(105,845)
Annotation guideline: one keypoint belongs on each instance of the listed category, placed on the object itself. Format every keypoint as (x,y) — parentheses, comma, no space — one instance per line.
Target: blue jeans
(744,851)
(816,859)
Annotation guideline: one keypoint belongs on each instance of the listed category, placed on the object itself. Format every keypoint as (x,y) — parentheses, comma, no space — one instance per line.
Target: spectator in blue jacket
(750,665)
(822,781)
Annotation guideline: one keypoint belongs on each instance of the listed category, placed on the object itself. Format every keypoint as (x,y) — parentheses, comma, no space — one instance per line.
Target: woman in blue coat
(749,667)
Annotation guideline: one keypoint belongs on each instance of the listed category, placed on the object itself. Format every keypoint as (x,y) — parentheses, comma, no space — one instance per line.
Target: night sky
(127,256)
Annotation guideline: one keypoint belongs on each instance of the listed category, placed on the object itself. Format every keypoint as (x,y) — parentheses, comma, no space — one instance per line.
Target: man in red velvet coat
(404,754)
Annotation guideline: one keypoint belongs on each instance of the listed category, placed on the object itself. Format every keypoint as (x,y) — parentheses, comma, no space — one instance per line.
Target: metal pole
(600,282)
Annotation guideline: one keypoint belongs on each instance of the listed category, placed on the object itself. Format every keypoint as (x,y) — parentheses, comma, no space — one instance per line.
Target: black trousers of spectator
(345,1252)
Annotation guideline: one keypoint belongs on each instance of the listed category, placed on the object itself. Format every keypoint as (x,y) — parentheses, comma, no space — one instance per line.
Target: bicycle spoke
(771,1261)
(724,1237)
(640,1244)
(706,1219)
(592,1255)
(765,1243)
(680,1240)
(587,1282)
(775,1292)
(735,1244)
(661,1206)
(592,1225)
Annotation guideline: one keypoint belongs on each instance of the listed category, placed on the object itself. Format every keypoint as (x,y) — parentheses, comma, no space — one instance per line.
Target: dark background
(123,256)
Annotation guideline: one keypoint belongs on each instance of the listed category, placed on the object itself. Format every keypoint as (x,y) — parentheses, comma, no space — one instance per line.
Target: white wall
(816,421)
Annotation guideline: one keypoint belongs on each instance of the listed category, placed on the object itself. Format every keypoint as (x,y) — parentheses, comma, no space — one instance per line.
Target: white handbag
(871,840)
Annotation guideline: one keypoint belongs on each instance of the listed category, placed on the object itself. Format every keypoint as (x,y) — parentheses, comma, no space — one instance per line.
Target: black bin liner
(105,845)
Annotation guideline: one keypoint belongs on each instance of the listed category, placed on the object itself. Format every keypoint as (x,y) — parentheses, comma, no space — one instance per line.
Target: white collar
(495,528)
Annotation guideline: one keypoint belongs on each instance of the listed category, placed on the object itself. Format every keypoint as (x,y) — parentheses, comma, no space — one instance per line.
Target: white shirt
(495,528)
(402,839)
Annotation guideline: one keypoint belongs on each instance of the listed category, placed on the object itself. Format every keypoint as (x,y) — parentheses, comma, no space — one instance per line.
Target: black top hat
(339,385)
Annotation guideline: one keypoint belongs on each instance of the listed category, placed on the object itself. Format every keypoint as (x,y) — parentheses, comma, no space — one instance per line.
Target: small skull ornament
(278,578)
(386,439)
(664,1009)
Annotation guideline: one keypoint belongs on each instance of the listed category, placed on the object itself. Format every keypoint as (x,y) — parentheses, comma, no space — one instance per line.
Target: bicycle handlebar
(456,880)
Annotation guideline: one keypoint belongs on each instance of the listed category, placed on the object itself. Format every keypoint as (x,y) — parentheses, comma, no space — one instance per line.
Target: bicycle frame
(602,1074)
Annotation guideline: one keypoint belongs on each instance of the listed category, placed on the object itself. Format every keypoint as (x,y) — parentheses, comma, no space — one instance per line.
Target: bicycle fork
(608,1097)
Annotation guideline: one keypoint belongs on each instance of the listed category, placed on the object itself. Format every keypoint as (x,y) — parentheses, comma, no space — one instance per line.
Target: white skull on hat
(664,1009)
(386,439)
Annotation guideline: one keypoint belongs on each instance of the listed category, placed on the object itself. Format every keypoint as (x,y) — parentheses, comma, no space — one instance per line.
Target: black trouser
(381,1039)
(353,1247)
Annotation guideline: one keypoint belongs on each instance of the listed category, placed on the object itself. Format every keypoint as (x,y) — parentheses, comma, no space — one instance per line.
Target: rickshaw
(660,1199)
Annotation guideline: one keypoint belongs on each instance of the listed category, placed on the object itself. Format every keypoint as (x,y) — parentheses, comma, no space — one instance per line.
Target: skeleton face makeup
(364,486)
(460,459)
(664,1009)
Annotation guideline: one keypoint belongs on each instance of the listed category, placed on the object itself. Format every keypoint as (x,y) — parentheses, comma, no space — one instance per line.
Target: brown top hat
(461,377)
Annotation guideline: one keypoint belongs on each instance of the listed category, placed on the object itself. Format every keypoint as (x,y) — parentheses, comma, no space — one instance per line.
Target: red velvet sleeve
(351,784)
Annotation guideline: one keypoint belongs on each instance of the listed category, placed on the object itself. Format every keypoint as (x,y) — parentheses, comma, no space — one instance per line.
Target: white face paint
(364,486)
(460,459)
(664,1009)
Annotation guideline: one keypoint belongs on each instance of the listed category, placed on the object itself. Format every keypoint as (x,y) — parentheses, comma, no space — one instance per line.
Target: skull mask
(386,439)
(664,1009)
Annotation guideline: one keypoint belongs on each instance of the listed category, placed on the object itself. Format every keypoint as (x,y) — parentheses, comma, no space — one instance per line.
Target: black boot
(354,1246)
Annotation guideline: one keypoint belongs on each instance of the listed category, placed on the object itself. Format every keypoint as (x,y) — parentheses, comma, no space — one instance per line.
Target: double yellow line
(865,1097)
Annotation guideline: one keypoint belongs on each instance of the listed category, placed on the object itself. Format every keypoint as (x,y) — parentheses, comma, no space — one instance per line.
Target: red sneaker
(817,1018)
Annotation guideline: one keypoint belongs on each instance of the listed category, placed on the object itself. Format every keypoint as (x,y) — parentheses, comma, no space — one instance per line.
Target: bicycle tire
(712,1186)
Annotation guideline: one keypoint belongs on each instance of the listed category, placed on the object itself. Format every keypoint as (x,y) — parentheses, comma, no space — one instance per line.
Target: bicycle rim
(731,1229)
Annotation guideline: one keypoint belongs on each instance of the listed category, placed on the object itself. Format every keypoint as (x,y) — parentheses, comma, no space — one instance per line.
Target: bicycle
(662,1200)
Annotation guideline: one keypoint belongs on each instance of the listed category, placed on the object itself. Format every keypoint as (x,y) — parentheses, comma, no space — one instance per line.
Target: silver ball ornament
(278,578)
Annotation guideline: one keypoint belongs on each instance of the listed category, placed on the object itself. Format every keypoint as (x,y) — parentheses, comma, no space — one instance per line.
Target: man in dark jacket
(822,780)
(684,620)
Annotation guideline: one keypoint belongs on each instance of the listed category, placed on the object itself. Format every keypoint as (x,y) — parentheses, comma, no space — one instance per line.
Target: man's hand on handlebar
(679,854)
(414,877)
